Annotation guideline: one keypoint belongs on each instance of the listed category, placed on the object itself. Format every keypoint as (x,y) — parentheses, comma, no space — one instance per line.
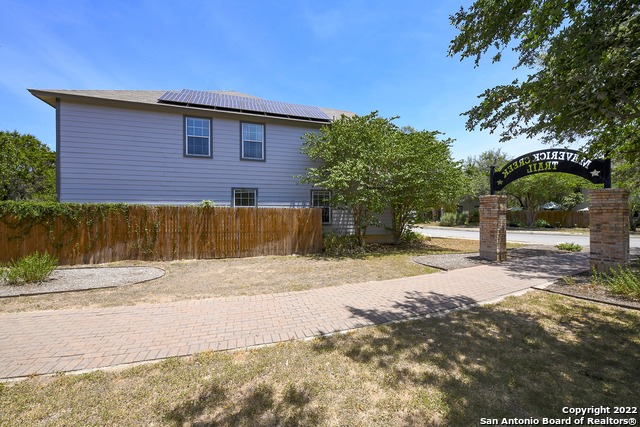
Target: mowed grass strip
(200,279)
(527,356)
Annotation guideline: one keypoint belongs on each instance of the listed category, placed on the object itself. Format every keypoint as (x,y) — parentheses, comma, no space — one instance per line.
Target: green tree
(533,191)
(627,175)
(419,175)
(27,168)
(349,164)
(585,81)
(477,171)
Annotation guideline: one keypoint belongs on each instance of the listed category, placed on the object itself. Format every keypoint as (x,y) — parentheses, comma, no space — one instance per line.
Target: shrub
(573,247)
(516,223)
(340,244)
(623,282)
(448,220)
(541,223)
(451,219)
(412,236)
(32,268)
(474,216)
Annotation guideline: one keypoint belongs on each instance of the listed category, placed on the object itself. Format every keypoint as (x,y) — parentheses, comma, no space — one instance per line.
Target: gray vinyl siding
(130,155)
(342,223)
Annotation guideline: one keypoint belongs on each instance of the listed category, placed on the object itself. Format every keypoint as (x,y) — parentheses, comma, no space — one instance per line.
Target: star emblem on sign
(595,172)
(499,182)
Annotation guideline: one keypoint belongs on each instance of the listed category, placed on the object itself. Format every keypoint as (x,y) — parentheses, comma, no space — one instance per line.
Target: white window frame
(243,139)
(187,135)
(322,207)
(246,190)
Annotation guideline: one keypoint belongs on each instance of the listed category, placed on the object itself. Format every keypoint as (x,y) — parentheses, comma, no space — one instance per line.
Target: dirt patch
(201,279)
(581,286)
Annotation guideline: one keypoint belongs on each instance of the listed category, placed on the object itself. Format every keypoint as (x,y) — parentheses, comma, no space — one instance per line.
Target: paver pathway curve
(46,342)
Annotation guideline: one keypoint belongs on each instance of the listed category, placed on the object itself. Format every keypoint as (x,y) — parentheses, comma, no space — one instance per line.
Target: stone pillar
(493,228)
(609,228)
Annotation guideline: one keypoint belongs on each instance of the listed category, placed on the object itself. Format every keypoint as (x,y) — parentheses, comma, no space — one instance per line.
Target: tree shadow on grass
(259,406)
(527,360)
(414,304)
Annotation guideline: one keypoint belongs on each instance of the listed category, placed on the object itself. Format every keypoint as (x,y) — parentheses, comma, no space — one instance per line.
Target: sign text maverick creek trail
(552,160)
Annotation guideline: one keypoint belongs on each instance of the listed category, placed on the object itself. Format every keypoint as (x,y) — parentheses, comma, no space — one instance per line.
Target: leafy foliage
(585,81)
(477,171)
(516,223)
(21,217)
(531,192)
(540,223)
(571,247)
(452,219)
(627,175)
(625,281)
(420,175)
(27,168)
(349,155)
(32,268)
(571,200)
(340,244)
(370,165)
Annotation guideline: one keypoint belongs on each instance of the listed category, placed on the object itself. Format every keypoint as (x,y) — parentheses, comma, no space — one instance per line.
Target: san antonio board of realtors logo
(553,160)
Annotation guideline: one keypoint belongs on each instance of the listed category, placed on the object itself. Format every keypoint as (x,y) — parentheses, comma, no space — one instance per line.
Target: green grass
(32,268)
(526,356)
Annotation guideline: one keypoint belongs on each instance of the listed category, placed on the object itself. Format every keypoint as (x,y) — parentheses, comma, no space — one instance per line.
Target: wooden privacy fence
(564,218)
(158,233)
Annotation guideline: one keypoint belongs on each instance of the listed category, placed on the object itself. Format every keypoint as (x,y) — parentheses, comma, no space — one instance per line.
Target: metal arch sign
(552,160)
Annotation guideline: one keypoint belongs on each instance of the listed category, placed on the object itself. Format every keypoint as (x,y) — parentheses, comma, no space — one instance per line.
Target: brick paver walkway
(46,342)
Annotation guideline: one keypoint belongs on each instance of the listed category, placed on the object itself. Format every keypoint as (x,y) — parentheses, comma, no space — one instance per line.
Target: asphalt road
(540,237)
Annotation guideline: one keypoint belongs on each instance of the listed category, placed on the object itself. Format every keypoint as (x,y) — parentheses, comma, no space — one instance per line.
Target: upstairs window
(252,141)
(197,137)
(245,197)
(320,199)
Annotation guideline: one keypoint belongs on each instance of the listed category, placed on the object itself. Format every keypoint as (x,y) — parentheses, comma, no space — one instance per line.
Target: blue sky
(350,55)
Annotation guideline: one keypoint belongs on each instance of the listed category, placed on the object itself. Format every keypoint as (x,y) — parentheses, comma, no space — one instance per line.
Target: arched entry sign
(552,160)
(608,208)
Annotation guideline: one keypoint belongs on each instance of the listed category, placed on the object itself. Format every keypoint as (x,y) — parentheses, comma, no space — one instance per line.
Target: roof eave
(50,96)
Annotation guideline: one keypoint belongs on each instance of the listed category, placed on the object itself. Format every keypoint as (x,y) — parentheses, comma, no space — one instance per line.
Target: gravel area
(81,279)
(465,260)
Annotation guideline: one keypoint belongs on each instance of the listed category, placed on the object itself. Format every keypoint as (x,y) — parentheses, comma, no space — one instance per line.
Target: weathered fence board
(565,219)
(167,233)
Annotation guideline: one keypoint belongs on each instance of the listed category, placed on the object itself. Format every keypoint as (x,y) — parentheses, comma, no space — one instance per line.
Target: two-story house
(182,147)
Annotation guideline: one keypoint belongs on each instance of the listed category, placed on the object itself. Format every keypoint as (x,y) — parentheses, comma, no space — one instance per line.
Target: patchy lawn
(200,279)
(527,356)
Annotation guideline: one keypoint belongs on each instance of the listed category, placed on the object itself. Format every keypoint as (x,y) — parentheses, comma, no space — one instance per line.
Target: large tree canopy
(531,192)
(477,171)
(348,153)
(419,175)
(370,165)
(627,175)
(27,168)
(585,59)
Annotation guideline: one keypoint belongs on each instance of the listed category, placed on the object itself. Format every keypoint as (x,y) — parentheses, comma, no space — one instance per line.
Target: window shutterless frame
(244,197)
(197,134)
(319,200)
(253,144)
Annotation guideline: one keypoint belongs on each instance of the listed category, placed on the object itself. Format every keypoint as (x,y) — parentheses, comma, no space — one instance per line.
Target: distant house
(182,147)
